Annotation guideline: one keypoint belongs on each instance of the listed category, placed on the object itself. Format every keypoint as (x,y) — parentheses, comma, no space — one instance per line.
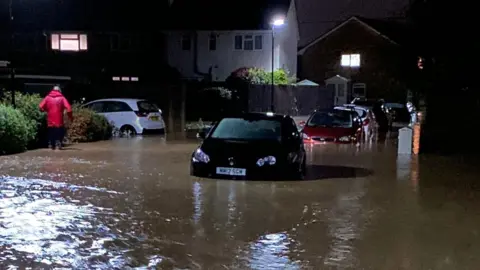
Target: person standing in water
(54,104)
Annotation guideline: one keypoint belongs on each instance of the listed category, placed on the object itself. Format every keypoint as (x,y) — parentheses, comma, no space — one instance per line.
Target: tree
(260,76)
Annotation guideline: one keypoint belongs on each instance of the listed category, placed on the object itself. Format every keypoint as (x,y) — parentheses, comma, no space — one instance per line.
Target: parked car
(399,115)
(251,145)
(134,116)
(369,123)
(334,125)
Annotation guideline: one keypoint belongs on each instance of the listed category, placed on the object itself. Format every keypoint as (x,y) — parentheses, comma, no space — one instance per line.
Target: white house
(215,47)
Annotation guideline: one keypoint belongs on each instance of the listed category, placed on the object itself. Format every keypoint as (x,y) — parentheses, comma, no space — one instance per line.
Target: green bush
(260,76)
(15,130)
(87,126)
(28,105)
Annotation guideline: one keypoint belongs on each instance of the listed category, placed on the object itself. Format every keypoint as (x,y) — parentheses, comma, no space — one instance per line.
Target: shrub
(15,130)
(87,126)
(28,105)
(260,76)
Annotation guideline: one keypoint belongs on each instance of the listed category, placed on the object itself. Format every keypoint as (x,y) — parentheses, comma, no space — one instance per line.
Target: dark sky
(318,16)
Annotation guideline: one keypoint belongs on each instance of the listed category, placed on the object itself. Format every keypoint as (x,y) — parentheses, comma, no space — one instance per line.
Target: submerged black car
(251,146)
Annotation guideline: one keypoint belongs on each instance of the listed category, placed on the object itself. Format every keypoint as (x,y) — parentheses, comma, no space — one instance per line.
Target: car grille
(322,139)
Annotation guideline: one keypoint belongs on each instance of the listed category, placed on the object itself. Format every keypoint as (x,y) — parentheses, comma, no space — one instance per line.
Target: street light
(277,22)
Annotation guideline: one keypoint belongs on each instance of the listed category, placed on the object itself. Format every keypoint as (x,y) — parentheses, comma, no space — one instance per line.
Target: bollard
(405,140)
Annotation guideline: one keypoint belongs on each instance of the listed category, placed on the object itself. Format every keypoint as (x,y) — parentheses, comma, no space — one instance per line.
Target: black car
(251,146)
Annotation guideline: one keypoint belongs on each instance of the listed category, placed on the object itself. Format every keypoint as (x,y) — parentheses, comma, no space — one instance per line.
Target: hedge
(15,130)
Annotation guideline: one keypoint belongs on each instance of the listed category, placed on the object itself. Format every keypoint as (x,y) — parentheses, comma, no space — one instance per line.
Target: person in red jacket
(54,104)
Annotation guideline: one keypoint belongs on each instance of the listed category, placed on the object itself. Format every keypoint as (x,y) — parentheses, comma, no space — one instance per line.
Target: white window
(69,42)
(125,79)
(248,42)
(350,60)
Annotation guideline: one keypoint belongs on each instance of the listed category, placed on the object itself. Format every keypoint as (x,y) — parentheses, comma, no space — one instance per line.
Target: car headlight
(344,139)
(200,156)
(270,160)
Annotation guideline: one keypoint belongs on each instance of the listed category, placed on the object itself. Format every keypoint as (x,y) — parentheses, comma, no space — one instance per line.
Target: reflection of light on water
(404,166)
(197,202)
(271,252)
(414,173)
(232,206)
(344,228)
(41,226)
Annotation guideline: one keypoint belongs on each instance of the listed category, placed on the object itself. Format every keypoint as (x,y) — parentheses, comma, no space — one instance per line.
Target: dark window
(247,129)
(186,43)
(212,43)
(116,106)
(258,42)
(96,107)
(147,107)
(248,43)
(337,118)
(238,42)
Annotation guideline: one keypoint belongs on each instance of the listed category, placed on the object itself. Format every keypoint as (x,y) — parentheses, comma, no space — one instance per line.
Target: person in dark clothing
(381,117)
(54,104)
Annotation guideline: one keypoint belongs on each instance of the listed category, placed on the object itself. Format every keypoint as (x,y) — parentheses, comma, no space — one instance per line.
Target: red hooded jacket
(54,104)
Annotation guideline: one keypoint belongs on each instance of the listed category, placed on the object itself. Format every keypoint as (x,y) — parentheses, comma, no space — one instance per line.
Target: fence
(289,99)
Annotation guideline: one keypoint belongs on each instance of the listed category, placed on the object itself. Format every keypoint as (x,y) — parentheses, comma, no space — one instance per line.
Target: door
(118,113)
(340,94)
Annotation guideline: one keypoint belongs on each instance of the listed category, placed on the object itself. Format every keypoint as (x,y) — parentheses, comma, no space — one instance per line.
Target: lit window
(134,79)
(69,42)
(350,60)
(125,79)
(116,79)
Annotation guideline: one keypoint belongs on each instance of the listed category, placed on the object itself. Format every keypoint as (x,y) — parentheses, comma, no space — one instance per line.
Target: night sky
(318,16)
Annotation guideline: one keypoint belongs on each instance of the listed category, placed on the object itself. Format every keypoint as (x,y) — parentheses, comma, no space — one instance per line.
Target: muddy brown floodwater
(130,203)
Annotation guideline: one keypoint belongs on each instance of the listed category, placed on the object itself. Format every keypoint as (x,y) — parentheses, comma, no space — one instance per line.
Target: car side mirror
(201,135)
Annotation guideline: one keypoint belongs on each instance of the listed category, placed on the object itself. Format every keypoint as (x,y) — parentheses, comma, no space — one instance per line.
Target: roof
(225,15)
(393,31)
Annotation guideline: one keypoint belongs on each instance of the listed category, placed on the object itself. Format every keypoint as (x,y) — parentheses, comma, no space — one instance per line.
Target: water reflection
(272,251)
(45,224)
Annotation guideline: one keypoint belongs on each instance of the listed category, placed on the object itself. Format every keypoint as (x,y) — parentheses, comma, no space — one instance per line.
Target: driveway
(131,203)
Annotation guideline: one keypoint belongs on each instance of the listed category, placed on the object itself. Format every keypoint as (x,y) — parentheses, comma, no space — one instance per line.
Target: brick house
(360,58)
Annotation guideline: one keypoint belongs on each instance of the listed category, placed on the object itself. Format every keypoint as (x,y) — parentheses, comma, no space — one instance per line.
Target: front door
(340,94)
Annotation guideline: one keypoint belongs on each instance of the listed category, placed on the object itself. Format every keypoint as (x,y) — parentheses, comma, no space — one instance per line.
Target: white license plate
(231,171)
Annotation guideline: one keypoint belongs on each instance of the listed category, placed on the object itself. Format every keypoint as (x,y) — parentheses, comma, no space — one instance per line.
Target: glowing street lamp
(277,22)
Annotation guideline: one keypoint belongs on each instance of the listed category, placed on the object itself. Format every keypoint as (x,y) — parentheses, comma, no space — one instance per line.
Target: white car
(134,116)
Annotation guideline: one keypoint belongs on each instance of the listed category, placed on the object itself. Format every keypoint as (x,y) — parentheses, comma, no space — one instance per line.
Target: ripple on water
(43,227)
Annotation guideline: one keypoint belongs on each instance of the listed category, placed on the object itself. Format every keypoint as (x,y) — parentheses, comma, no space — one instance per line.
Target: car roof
(259,116)
(117,99)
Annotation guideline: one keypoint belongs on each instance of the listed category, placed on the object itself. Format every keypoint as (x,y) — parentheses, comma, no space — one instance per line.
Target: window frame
(235,43)
(80,38)
(183,39)
(212,38)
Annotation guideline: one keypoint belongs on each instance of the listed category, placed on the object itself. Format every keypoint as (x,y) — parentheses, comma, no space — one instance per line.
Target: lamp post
(275,23)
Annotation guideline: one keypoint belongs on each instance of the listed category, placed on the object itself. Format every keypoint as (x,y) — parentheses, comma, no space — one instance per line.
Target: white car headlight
(344,139)
(200,156)
(270,160)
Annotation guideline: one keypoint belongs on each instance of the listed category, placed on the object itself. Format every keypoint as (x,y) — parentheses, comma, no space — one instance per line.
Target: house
(54,43)
(209,39)
(361,58)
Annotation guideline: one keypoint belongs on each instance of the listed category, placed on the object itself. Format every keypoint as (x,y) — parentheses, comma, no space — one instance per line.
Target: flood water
(130,203)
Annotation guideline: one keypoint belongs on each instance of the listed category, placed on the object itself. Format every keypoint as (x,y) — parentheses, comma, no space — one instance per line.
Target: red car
(335,125)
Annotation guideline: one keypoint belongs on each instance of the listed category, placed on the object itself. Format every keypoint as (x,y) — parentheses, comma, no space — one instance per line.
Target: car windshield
(337,118)
(146,106)
(247,129)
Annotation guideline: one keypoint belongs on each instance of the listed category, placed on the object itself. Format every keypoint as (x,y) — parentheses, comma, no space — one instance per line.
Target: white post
(405,141)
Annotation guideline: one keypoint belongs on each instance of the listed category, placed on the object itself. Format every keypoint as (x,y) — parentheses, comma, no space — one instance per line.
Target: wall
(289,99)
(226,59)
(381,61)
